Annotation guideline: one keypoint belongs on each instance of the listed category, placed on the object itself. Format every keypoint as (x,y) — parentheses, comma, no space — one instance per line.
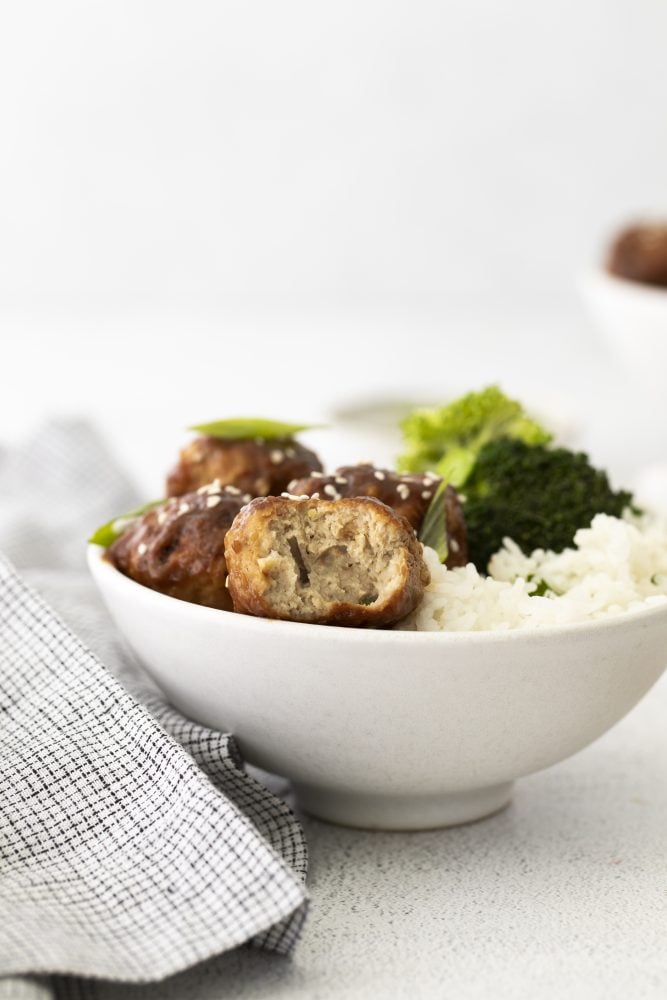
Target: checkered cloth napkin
(133,844)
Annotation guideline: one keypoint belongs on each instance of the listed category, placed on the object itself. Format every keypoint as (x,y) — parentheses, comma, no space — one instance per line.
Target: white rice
(617,565)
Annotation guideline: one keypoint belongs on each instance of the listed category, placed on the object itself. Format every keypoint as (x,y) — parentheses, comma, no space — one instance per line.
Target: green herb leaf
(251,427)
(112,530)
(434,526)
(456,465)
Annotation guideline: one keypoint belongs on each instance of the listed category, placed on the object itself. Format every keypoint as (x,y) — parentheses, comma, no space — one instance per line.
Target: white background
(256,207)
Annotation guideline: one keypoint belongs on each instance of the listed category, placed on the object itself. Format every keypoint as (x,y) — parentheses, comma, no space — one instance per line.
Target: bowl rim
(98,566)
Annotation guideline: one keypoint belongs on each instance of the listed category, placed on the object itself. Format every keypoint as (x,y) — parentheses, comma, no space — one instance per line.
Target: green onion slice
(251,427)
(434,526)
(112,530)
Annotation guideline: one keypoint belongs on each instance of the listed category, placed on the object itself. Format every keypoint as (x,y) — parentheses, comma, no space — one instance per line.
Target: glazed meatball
(179,547)
(254,466)
(639,253)
(333,562)
(408,495)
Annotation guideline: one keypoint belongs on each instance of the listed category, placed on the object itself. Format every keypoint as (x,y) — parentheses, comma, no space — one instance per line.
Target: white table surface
(561,895)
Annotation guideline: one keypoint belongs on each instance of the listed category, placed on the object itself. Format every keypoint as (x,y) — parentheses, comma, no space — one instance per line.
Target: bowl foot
(414,812)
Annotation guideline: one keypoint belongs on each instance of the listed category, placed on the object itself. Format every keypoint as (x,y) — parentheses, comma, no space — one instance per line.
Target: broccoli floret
(537,496)
(448,439)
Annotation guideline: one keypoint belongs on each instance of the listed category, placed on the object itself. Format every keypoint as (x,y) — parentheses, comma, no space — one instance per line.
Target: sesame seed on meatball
(179,547)
(254,466)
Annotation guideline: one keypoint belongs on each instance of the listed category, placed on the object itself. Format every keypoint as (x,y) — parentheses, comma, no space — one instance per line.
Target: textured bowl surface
(391,730)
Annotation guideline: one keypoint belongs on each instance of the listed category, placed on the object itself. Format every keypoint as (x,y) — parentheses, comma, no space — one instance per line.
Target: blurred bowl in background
(633,319)
(372,424)
(650,487)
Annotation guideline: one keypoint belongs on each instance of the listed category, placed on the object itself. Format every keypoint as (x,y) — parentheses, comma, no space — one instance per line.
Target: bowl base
(401,812)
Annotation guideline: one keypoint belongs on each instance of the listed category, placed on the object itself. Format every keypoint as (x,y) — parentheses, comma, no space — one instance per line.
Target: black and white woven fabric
(132,842)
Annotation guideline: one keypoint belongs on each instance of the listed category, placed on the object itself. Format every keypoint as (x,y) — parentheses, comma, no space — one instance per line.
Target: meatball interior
(409,495)
(345,562)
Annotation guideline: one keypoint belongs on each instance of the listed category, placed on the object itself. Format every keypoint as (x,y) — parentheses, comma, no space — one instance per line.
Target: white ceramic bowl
(391,730)
(633,317)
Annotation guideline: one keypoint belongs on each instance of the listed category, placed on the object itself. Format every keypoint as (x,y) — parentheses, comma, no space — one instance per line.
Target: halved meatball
(409,495)
(334,562)
(179,547)
(253,466)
